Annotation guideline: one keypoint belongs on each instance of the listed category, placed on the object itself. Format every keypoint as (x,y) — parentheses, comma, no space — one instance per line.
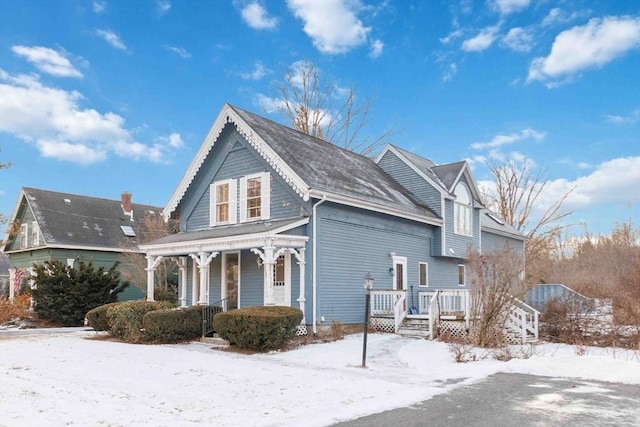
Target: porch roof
(241,236)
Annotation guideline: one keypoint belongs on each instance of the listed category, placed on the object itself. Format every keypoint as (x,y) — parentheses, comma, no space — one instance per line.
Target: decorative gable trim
(229,115)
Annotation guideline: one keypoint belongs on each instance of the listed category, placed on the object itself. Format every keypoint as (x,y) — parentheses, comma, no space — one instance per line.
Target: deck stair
(416,326)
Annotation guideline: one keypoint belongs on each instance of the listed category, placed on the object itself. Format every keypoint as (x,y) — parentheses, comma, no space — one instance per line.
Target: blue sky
(98,97)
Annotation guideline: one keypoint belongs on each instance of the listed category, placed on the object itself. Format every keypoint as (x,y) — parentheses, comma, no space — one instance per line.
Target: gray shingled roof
(423,164)
(448,173)
(83,221)
(490,221)
(328,168)
(225,231)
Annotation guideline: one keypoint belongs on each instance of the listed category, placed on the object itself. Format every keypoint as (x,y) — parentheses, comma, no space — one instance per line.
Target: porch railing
(451,302)
(208,312)
(389,303)
(434,316)
(524,319)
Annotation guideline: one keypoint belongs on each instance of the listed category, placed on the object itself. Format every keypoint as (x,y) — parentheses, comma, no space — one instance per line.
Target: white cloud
(111,38)
(376,49)
(259,71)
(518,39)
(180,51)
(500,140)
(450,72)
(47,60)
(332,24)
(482,41)
(60,127)
(175,140)
(163,6)
(614,181)
(268,104)
(257,17)
(506,7)
(99,6)
(632,117)
(559,16)
(451,36)
(592,45)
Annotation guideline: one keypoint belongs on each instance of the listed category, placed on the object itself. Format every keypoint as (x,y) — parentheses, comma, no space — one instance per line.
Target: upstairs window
(24,236)
(35,234)
(462,211)
(223,202)
(255,197)
(462,275)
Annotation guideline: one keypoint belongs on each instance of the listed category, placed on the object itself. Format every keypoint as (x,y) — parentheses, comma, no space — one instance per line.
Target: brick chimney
(126,204)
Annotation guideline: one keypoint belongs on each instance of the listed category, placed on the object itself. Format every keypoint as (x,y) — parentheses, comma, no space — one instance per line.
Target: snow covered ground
(73,379)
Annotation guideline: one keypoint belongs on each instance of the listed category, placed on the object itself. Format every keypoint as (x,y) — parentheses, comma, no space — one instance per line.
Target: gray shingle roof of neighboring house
(423,164)
(331,169)
(71,220)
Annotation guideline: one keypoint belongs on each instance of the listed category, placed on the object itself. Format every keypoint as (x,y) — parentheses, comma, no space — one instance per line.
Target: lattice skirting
(455,330)
(382,324)
(301,330)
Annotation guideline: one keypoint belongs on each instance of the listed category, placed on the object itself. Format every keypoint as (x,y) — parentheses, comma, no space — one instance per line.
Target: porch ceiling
(243,236)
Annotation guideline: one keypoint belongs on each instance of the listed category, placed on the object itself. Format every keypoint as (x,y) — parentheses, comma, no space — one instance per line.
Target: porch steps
(416,327)
(215,340)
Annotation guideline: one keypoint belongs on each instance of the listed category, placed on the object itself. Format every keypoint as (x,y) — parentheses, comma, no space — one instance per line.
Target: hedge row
(258,328)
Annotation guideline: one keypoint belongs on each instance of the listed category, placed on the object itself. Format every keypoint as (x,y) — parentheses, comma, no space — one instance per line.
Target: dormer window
(35,234)
(24,236)
(462,211)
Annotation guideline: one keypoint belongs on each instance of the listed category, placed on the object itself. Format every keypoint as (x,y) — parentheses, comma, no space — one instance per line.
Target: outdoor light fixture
(368,285)
(391,271)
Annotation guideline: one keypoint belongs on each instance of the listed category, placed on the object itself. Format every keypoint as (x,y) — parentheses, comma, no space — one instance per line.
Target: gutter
(314,268)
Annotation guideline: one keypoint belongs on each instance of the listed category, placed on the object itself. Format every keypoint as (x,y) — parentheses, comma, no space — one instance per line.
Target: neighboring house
(576,304)
(48,225)
(272,216)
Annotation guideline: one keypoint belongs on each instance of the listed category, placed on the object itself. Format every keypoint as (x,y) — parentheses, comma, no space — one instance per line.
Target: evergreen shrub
(125,319)
(97,317)
(258,328)
(64,294)
(173,325)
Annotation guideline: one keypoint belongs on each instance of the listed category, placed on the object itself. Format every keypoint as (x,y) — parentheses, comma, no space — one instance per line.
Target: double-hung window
(24,236)
(462,211)
(462,275)
(35,234)
(423,276)
(223,202)
(255,199)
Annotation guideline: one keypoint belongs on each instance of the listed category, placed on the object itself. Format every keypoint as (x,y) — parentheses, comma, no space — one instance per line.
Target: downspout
(313,267)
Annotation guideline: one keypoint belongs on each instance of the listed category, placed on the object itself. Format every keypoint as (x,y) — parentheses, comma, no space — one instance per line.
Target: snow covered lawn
(72,379)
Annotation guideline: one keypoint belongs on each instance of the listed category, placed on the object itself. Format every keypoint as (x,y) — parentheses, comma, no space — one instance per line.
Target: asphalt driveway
(519,400)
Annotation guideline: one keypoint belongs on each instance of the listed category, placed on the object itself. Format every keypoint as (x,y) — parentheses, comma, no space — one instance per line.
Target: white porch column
(11,284)
(152,264)
(268,257)
(203,260)
(299,254)
(182,265)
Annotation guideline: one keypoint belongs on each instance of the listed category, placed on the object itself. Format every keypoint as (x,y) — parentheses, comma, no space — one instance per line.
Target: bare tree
(517,192)
(496,278)
(151,227)
(327,111)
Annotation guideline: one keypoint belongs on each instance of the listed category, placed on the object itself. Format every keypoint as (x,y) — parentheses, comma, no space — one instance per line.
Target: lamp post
(368,285)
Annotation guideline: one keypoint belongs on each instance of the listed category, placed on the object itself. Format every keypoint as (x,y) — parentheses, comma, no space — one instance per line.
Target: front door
(231,279)
(282,280)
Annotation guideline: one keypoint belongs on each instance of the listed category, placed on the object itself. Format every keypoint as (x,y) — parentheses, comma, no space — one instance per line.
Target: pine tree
(64,294)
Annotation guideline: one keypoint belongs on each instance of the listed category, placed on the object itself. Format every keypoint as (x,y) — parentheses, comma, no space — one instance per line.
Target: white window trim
(464,275)
(463,211)
(399,260)
(233,197)
(24,236)
(265,196)
(35,234)
(426,266)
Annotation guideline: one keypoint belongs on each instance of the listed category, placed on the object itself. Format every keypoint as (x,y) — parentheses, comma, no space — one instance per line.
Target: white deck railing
(524,319)
(389,303)
(451,302)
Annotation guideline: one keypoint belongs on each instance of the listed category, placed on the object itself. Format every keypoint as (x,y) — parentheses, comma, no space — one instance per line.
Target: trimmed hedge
(173,325)
(125,319)
(97,318)
(258,328)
